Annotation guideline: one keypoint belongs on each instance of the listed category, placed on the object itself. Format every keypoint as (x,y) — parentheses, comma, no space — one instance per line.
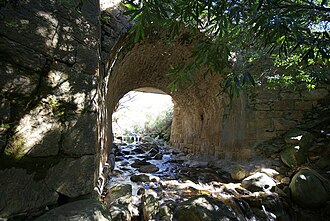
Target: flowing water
(175,182)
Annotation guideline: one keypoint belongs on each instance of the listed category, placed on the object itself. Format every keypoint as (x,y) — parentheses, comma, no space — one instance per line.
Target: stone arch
(198,106)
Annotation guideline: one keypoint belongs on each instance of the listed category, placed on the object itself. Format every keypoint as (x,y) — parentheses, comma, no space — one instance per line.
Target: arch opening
(141,114)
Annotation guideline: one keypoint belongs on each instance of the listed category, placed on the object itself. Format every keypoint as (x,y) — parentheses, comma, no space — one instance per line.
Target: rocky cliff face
(48,83)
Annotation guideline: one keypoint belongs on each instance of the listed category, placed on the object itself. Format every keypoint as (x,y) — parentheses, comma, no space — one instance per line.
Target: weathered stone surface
(258,182)
(72,177)
(148,169)
(16,80)
(293,156)
(80,138)
(309,189)
(4,110)
(38,133)
(82,210)
(238,173)
(48,146)
(20,193)
(119,194)
(140,178)
(203,208)
(150,207)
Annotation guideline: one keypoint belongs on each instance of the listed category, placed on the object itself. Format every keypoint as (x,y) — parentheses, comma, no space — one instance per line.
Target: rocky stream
(154,182)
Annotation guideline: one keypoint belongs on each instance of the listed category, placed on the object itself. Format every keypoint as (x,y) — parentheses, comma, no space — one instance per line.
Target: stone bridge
(62,72)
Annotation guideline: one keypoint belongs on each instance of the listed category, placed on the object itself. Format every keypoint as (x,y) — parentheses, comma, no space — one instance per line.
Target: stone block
(263,107)
(305,105)
(316,94)
(80,137)
(283,124)
(48,146)
(284,105)
(290,95)
(72,177)
(21,193)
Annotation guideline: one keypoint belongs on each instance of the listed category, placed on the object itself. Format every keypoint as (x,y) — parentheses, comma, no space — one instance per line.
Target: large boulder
(309,189)
(203,208)
(119,194)
(82,210)
(33,195)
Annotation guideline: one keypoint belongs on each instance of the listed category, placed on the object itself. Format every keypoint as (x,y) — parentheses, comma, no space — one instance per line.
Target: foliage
(231,34)
(156,126)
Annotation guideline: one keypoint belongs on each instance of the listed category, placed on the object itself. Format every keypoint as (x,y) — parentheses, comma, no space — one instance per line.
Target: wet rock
(139,163)
(293,156)
(149,207)
(82,210)
(140,178)
(137,151)
(309,189)
(120,213)
(258,182)
(158,156)
(196,164)
(202,208)
(148,146)
(165,211)
(148,169)
(119,194)
(238,173)
(153,152)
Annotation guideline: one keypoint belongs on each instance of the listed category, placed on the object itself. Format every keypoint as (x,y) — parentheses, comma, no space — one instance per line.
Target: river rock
(140,178)
(293,156)
(196,164)
(238,173)
(309,189)
(158,156)
(149,207)
(258,182)
(119,194)
(120,213)
(148,169)
(82,210)
(138,163)
(203,208)
(298,137)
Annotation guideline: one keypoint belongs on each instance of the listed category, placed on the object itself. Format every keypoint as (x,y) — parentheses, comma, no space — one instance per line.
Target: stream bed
(153,182)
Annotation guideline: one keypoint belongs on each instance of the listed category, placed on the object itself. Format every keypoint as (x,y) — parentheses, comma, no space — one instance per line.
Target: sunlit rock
(238,173)
(119,194)
(38,133)
(201,208)
(258,182)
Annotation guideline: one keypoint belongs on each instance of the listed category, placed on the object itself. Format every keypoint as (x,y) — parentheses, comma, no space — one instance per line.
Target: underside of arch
(198,105)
